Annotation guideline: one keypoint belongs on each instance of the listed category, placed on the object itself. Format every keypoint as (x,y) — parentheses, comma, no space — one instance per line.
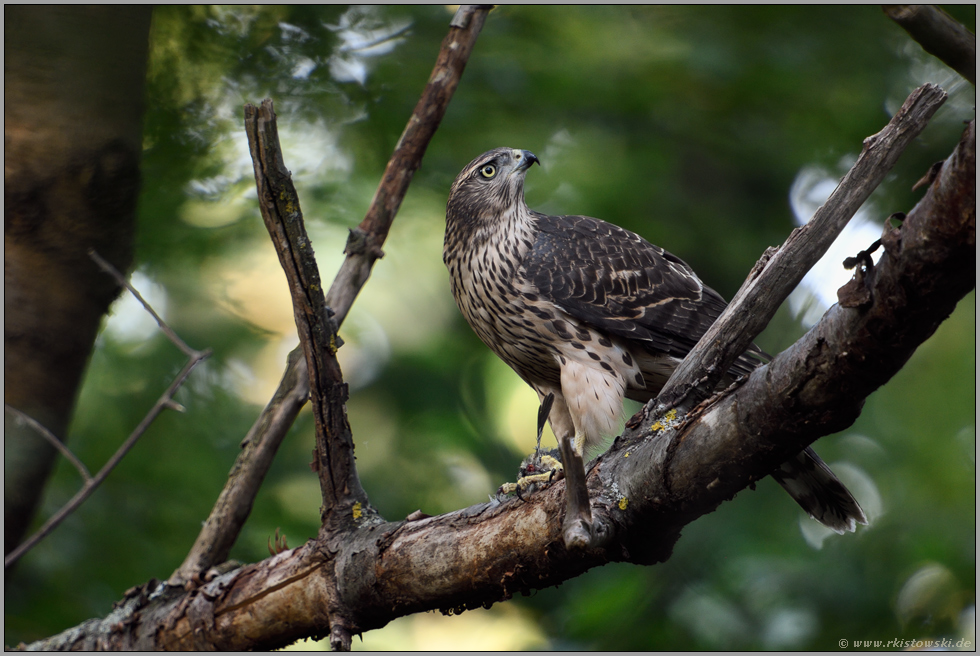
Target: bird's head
(491,186)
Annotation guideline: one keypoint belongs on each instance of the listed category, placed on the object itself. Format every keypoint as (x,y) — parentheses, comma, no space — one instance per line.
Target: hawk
(590,313)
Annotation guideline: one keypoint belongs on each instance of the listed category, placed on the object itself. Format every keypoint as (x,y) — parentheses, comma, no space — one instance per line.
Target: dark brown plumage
(591,313)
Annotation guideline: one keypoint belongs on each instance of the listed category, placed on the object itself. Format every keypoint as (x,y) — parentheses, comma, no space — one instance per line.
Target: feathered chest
(485,267)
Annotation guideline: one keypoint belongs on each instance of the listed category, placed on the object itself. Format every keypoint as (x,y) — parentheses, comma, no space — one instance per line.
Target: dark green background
(687,125)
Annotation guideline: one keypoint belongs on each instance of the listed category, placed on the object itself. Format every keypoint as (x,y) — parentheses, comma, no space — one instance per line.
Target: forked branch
(364,247)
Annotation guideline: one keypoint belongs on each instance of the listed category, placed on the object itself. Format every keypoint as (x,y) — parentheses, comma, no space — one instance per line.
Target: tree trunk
(73,79)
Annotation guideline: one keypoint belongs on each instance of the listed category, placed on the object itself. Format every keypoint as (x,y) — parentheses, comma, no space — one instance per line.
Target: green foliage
(686,124)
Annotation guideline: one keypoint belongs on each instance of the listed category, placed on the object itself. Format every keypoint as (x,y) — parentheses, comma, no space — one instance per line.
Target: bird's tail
(810,482)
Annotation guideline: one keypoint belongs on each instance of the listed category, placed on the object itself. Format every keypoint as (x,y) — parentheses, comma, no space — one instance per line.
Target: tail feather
(814,486)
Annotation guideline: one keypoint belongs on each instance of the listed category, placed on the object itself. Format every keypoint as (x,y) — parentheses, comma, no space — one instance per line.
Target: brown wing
(618,282)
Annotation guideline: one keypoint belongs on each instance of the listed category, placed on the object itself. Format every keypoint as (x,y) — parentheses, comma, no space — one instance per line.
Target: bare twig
(777,275)
(940,35)
(364,245)
(111,270)
(226,519)
(54,441)
(165,401)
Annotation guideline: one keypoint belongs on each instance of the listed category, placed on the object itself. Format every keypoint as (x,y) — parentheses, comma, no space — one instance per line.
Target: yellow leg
(538,469)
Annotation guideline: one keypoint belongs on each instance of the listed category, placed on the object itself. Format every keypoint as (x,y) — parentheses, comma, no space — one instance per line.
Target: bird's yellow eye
(488,171)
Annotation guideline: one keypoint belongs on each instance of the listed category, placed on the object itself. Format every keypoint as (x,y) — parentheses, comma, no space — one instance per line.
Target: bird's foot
(538,470)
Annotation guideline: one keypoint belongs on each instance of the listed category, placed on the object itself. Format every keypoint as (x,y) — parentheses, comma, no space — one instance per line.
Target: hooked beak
(524,159)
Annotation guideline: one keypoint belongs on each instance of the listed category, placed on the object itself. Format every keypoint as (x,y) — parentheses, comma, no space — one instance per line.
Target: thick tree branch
(228,516)
(818,386)
(940,35)
(779,272)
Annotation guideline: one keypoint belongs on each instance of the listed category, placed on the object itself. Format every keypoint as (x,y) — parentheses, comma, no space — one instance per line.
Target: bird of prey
(590,313)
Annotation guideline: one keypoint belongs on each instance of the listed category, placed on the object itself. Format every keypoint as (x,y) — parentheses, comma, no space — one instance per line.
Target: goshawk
(591,313)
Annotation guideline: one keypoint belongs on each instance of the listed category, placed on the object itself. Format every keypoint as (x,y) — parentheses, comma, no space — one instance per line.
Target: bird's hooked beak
(524,160)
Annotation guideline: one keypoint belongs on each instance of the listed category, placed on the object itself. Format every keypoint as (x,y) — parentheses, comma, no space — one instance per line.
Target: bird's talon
(538,469)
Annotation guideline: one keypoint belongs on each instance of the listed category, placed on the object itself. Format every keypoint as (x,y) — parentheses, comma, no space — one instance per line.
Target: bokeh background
(711,131)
